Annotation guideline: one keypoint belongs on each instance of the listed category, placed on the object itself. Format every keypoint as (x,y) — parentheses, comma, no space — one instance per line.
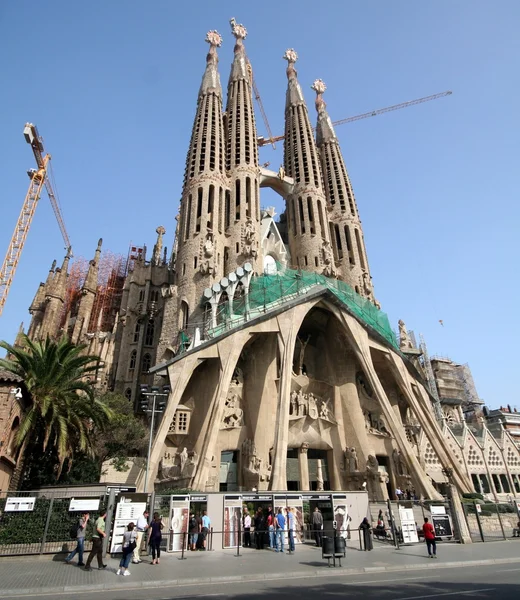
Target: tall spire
(91,280)
(88,296)
(242,212)
(309,236)
(347,235)
(199,255)
(157,249)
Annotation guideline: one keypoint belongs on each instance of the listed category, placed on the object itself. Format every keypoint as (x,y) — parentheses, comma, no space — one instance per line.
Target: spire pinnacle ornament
(290,56)
(319,87)
(238,30)
(213,38)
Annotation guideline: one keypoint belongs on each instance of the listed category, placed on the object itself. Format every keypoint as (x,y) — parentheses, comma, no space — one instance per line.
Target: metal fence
(489,522)
(45,528)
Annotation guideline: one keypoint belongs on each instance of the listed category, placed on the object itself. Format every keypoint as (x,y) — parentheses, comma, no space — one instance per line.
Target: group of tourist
(131,543)
(270,528)
(198,529)
(406,495)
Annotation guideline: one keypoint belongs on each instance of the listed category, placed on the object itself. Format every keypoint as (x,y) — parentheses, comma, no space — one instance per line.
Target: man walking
(270,527)
(280,531)
(317,526)
(80,539)
(97,542)
(141,526)
(429,538)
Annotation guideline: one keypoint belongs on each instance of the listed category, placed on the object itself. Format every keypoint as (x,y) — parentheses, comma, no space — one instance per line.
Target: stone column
(304,467)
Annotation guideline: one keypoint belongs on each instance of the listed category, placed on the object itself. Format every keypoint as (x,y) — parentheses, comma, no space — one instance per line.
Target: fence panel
(45,529)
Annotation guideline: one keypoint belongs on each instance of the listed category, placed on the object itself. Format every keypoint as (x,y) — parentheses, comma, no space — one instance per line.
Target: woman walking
(366,530)
(129,545)
(156,538)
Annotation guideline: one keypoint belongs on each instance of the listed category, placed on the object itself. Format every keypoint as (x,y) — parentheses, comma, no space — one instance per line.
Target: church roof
(8,376)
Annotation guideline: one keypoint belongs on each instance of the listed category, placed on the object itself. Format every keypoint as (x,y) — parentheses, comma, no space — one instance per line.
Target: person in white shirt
(247,529)
(141,526)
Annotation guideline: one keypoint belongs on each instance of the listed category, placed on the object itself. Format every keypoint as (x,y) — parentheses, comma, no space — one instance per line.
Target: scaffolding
(267,292)
(430,378)
(111,278)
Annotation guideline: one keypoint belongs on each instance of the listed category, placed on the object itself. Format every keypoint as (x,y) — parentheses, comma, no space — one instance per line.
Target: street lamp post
(157,407)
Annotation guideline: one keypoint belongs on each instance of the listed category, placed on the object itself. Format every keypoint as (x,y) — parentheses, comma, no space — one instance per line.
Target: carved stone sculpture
(328,259)
(372,465)
(302,405)
(233,414)
(183,457)
(367,284)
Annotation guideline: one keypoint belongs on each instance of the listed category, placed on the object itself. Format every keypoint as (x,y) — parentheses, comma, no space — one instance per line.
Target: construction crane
(262,141)
(39,178)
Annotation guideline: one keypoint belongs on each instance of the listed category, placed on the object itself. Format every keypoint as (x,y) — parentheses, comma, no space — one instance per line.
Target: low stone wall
(491,524)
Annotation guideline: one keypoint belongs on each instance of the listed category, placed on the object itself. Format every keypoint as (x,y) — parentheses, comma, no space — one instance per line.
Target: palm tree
(62,410)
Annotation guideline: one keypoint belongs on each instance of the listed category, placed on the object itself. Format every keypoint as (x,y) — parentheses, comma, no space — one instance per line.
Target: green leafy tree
(63,411)
(127,435)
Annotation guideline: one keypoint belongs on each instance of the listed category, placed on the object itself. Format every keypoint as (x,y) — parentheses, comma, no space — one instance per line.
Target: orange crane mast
(262,141)
(39,178)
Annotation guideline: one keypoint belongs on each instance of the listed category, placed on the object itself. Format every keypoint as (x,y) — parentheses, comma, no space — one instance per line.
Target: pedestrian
(280,531)
(155,538)
(429,538)
(317,526)
(259,529)
(366,529)
(398,493)
(97,542)
(290,527)
(193,532)
(516,530)
(80,540)
(380,527)
(247,529)
(270,527)
(206,525)
(140,527)
(129,545)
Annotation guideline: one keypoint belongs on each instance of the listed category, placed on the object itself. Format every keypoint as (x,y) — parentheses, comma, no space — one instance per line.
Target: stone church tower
(309,238)
(345,226)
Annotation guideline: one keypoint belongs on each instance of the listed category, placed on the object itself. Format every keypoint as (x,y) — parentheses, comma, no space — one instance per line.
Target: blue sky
(112,87)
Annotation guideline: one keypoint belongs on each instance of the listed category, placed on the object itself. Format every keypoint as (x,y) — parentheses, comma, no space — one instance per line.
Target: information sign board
(83,504)
(19,504)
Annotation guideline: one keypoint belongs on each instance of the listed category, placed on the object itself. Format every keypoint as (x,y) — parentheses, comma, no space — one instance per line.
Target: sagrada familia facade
(281,370)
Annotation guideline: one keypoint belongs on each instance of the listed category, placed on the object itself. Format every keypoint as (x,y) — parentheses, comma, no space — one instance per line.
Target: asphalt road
(482,582)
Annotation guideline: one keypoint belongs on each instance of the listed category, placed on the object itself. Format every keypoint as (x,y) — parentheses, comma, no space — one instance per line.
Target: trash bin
(327,547)
(340,547)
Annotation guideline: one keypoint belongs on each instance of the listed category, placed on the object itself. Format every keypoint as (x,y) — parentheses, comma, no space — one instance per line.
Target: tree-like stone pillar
(304,467)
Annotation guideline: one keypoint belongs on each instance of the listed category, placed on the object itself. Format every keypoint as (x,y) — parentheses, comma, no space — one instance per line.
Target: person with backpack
(129,545)
(193,532)
(77,532)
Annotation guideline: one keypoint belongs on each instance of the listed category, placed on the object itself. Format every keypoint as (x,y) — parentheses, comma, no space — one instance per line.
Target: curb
(338,572)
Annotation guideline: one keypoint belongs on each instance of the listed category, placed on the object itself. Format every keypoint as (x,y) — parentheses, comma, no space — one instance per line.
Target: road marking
(447,594)
(507,570)
(376,581)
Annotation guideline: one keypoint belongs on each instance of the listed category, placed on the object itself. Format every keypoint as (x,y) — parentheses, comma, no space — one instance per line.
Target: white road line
(447,594)
(507,570)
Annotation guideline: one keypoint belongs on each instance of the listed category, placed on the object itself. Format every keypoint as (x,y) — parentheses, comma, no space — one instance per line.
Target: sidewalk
(48,574)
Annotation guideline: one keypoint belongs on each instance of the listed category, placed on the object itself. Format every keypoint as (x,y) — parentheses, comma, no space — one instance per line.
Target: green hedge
(28,527)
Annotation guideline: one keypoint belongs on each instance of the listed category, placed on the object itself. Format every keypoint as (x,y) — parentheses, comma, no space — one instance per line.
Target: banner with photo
(179,515)
(341,516)
(232,517)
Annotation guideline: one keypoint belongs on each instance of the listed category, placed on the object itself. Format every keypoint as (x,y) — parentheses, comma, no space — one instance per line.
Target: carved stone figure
(328,259)
(250,242)
(293,404)
(399,463)
(351,460)
(372,465)
(302,404)
(281,173)
(183,457)
(367,284)
(208,245)
(238,376)
(313,406)
(207,264)
(233,414)
(324,410)
(368,421)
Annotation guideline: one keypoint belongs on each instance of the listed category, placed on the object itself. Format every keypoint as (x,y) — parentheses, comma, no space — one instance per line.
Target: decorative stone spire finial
(238,30)
(324,129)
(211,79)
(214,39)
(157,249)
(294,91)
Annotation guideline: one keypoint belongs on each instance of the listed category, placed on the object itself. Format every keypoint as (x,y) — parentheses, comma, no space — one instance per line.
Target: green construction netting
(269,291)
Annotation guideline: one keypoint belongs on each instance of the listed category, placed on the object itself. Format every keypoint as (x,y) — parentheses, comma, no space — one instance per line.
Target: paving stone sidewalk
(46,574)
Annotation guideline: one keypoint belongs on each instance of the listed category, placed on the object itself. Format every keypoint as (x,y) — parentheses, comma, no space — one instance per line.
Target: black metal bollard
(239,536)
(183,545)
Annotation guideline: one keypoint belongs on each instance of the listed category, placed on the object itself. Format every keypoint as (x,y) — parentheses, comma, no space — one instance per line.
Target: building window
(154,296)
(505,483)
(147,363)
(133,359)
(484,484)
(141,295)
(180,423)
(150,330)
(137,330)
(128,393)
(496,483)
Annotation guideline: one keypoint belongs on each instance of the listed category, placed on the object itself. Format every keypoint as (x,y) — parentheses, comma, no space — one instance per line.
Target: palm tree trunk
(14,483)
